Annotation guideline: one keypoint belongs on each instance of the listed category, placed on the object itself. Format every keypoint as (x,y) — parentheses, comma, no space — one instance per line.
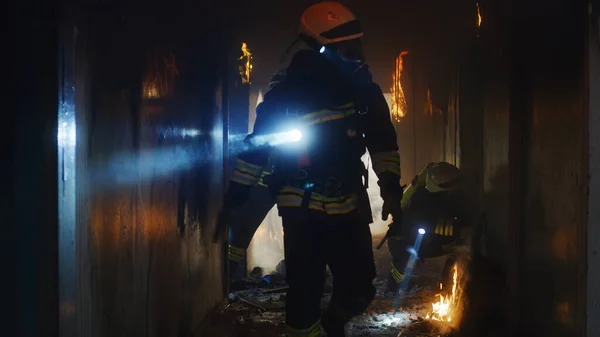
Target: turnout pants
(242,229)
(313,240)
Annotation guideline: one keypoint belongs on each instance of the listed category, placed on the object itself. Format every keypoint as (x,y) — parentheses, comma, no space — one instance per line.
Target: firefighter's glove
(393,230)
(393,208)
(391,193)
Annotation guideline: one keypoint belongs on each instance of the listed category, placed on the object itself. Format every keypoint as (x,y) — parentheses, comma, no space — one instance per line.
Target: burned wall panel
(494,137)
(555,178)
(433,85)
(533,125)
(150,170)
(30,189)
(593,227)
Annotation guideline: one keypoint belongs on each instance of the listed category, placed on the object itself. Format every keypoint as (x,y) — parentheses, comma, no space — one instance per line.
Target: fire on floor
(426,310)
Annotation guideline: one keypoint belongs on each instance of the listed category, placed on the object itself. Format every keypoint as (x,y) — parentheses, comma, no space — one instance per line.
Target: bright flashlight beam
(414,252)
(280,138)
(126,169)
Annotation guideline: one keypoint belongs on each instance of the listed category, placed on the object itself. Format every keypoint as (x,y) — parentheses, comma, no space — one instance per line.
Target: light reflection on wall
(67,195)
(67,133)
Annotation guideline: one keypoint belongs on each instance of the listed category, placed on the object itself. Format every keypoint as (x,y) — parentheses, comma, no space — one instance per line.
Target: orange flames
(446,309)
(478,16)
(399,106)
(159,81)
(246,68)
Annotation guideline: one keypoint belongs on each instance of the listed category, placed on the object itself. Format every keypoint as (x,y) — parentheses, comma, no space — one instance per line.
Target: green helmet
(442,177)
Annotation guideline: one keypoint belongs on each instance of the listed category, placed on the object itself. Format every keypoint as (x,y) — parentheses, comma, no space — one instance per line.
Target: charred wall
(30,188)
(431,81)
(593,233)
(148,86)
(535,160)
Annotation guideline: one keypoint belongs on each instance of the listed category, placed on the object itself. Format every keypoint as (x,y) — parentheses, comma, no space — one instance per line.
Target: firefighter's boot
(395,277)
(392,285)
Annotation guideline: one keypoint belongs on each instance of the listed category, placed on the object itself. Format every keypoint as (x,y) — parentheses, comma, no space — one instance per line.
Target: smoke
(379,226)
(178,149)
(266,247)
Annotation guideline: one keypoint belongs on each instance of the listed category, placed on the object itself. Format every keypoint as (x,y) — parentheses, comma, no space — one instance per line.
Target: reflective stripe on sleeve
(386,162)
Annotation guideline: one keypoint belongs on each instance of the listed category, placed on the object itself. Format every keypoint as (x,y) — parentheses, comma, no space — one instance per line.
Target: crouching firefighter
(250,216)
(434,205)
(314,127)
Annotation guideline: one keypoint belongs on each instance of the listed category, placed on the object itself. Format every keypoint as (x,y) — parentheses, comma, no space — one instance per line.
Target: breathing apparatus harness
(325,182)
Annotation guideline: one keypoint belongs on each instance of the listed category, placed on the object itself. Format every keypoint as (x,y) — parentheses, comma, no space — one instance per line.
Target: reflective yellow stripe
(408,193)
(244,178)
(387,167)
(296,201)
(246,173)
(445,229)
(327,115)
(448,229)
(386,156)
(245,166)
(261,181)
(396,274)
(236,254)
(292,197)
(341,207)
(312,331)
(388,161)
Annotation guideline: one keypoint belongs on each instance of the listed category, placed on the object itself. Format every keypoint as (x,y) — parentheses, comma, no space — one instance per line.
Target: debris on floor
(256,306)
(426,328)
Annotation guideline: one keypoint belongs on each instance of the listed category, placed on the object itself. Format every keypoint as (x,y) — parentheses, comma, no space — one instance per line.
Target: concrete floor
(380,319)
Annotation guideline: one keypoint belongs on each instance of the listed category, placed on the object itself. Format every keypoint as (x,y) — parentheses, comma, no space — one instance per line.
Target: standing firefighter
(314,127)
(249,217)
(433,202)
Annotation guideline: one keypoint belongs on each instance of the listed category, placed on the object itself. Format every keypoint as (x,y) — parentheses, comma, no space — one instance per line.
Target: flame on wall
(478,16)
(399,106)
(159,81)
(246,68)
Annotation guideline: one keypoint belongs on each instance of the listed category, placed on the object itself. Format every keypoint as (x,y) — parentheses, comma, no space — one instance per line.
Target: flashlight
(322,50)
(295,135)
(273,139)
(421,231)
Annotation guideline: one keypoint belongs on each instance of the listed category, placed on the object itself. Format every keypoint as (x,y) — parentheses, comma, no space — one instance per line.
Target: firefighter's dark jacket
(336,112)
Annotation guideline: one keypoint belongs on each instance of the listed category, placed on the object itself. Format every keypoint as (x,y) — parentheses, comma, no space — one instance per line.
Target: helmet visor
(350,51)
(344,30)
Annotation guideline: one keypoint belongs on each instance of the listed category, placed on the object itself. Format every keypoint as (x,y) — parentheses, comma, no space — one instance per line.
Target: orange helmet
(329,22)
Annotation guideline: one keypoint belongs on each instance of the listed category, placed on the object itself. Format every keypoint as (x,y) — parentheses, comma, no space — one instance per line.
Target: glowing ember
(446,309)
(246,68)
(399,105)
(478,16)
